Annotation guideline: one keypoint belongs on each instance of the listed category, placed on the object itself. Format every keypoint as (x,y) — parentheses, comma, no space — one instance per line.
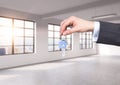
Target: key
(62,46)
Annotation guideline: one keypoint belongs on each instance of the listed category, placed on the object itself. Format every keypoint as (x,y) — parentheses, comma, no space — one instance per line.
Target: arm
(108,33)
(78,25)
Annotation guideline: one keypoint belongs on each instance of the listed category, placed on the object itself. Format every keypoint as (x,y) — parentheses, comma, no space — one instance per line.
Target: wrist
(91,25)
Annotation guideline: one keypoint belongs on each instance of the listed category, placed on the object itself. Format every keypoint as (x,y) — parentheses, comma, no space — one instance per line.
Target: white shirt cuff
(96,31)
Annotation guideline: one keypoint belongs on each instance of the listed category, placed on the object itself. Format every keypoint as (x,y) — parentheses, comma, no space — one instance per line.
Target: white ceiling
(41,7)
(48,8)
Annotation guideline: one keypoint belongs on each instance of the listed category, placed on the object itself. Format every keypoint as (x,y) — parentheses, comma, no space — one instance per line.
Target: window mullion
(33,37)
(24,38)
(12,36)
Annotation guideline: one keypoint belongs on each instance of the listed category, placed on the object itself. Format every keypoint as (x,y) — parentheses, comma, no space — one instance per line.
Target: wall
(41,55)
(108,49)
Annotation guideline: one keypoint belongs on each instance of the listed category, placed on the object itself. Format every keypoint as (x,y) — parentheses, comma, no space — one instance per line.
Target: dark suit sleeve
(109,33)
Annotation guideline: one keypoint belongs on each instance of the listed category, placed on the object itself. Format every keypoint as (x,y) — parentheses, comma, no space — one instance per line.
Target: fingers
(69,31)
(78,25)
(61,28)
(65,24)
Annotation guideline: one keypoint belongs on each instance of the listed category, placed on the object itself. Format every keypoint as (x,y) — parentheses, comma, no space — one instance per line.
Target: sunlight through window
(16,36)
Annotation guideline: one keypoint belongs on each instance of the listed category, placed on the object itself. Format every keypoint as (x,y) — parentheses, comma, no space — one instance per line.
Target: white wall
(42,54)
(108,49)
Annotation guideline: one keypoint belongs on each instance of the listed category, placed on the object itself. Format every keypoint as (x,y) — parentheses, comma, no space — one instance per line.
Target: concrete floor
(92,70)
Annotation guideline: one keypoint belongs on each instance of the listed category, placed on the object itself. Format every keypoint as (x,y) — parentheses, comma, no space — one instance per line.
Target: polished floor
(90,70)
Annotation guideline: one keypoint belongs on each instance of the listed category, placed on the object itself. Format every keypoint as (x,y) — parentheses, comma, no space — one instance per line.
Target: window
(54,38)
(86,40)
(16,36)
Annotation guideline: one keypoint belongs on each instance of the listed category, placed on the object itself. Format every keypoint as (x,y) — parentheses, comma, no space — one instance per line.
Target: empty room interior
(35,51)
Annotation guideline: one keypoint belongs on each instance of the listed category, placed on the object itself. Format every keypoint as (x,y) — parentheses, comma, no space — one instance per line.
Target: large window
(16,36)
(54,38)
(86,41)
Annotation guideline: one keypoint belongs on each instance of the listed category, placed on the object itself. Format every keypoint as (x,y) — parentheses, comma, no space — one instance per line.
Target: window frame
(53,45)
(13,37)
(88,41)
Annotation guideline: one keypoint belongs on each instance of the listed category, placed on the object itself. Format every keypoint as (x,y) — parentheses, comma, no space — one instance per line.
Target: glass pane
(56,28)
(5,41)
(5,50)
(6,21)
(83,36)
(57,41)
(57,48)
(18,49)
(28,41)
(68,46)
(18,40)
(50,48)
(80,41)
(68,36)
(18,32)
(84,41)
(80,34)
(90,33)
(28,32)
(50,34)
(83,33)
(87,33)
(18,23)
(28,49)
(6,31)
(50,27)
(68,41)
(63,37)
(88,42)
(29,24)
(57,34)
(50,41)
(5,36)
(90,37)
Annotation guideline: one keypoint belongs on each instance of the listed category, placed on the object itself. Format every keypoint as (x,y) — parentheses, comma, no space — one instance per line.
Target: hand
(78,25)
